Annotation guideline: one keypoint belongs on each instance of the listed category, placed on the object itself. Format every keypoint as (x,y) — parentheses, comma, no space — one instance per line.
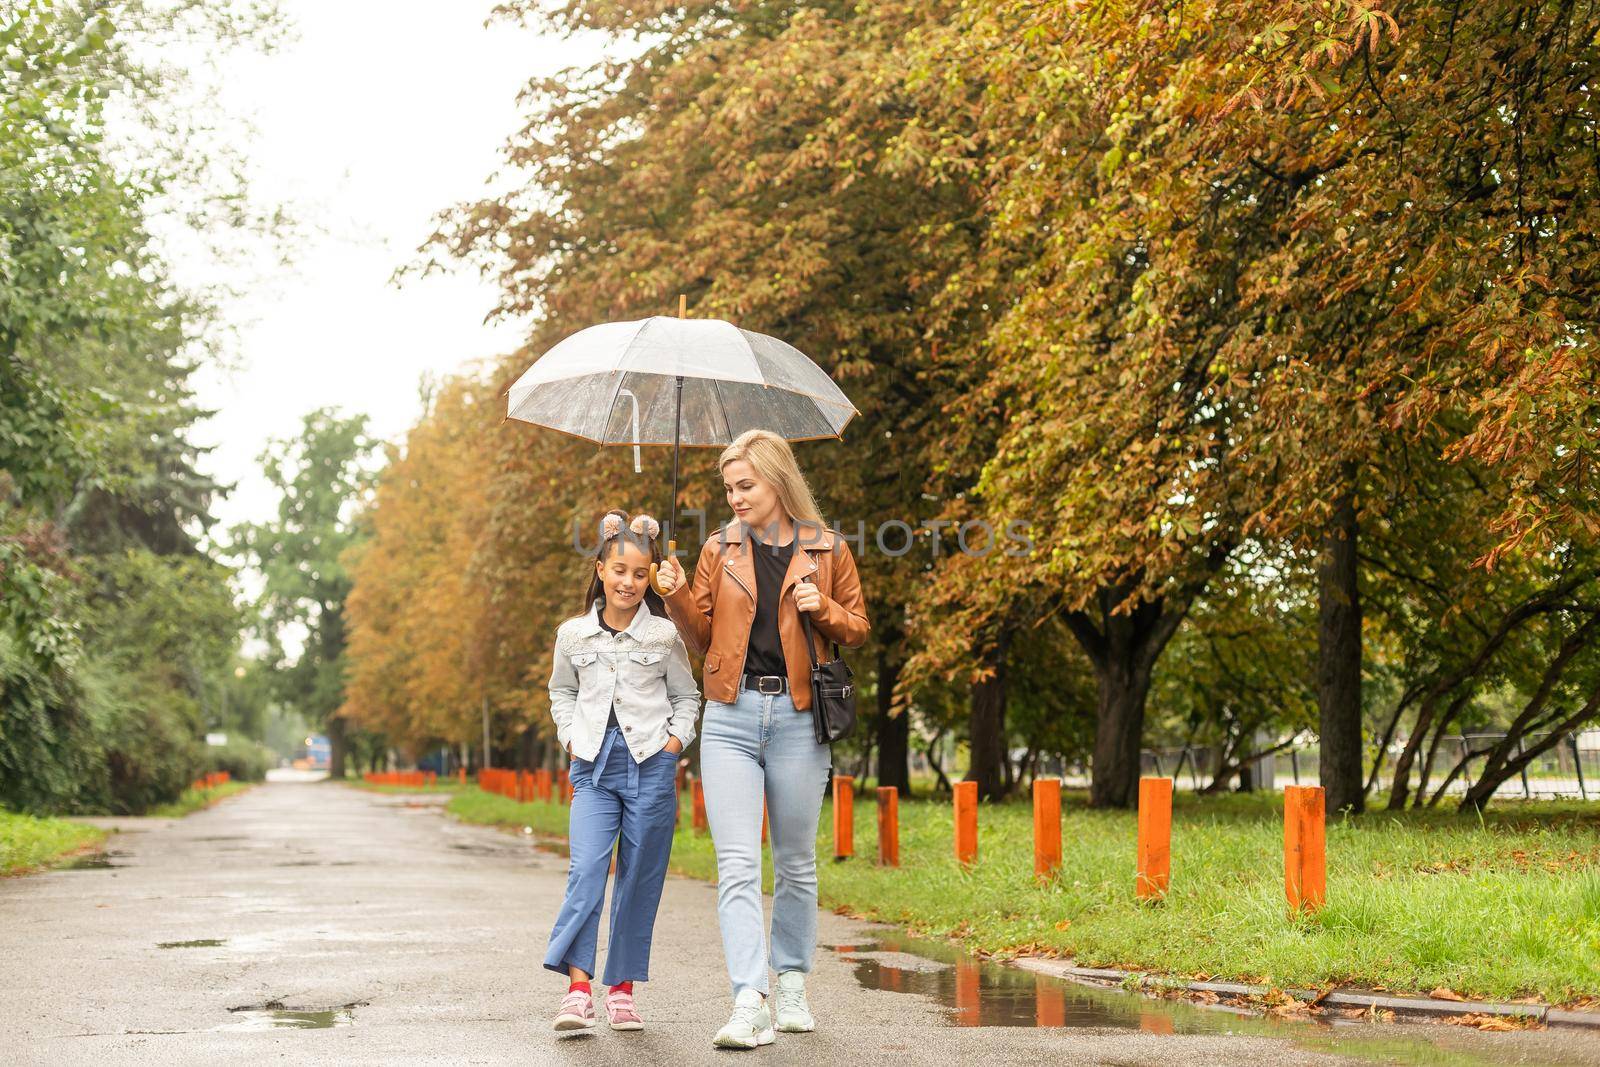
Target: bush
(149,745)
(243,759)
(48,754)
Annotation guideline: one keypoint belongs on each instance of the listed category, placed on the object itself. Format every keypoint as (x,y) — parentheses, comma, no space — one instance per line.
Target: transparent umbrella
(684,382)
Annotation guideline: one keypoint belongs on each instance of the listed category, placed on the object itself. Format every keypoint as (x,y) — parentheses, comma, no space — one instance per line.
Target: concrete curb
(1417,1007)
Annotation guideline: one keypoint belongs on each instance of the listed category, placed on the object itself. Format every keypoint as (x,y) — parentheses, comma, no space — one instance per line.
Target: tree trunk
(1339,658)
(987,724)
(1118,735)
(527,756)
(338,744)
(894,731)
(941,784)
(1123,645)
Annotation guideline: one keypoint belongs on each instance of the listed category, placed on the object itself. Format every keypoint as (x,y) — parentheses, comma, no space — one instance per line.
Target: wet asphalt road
(381,931)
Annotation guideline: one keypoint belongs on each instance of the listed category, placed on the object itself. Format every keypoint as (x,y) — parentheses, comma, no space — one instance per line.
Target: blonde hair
(774,461)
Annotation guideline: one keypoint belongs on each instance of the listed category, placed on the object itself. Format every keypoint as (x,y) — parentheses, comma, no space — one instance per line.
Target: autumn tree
(741,157)
(1271,239)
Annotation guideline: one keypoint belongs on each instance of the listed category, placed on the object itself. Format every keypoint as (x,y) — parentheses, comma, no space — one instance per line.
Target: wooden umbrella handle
(655,579)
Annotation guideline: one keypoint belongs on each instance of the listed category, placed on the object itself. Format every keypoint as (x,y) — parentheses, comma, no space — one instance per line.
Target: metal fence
(1569,769)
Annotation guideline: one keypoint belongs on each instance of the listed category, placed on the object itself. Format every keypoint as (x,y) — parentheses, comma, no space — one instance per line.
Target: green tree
(101,507)
(323,476)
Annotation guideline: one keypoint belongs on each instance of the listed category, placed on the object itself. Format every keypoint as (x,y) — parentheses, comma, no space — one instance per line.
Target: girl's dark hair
(596,591)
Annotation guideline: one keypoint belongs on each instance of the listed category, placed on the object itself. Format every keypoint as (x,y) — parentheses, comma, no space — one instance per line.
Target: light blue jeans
(761,747)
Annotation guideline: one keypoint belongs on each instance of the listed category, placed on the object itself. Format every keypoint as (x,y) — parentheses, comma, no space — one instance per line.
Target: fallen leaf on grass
(1063,924)
(1446,994)
(1495,1023)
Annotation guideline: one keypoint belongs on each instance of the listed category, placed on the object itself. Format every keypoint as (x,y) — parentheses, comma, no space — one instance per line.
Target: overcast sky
(373,118)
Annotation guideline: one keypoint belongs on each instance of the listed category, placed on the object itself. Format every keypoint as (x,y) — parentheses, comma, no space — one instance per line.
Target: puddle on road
(316,863)
(94,861)
(274,1016)
(555,846)
(979,993)
(204,942)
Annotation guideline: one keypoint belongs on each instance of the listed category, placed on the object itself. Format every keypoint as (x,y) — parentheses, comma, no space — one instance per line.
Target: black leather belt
(770,684)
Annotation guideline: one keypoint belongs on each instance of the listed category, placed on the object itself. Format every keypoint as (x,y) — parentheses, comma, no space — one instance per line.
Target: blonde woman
(774,559)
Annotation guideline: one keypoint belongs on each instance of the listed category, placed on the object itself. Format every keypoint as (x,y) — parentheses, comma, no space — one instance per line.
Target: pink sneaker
(577,1012)
(620,1011)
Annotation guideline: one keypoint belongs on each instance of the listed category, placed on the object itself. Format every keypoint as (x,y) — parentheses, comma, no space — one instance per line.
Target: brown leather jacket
(715,608)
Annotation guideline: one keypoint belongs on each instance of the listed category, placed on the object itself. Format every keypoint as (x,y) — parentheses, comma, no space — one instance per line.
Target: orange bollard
(1155,838)
(1046,826)
(966,811)
(844,816)
(566,787)
(1305,847)
(699,801)
(888,826)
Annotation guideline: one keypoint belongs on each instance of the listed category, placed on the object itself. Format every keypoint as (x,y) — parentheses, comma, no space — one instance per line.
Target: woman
(775,559)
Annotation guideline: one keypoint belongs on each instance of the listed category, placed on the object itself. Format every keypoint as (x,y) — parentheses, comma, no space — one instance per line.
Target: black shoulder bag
(833,691)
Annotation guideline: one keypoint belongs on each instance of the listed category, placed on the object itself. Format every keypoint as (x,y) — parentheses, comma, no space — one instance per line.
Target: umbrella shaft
(677,426)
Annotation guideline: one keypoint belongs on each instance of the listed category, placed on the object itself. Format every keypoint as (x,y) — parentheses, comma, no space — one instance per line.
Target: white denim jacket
(644,669)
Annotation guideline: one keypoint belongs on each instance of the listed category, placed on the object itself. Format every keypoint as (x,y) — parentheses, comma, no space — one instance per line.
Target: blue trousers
(759,748)
(615,799)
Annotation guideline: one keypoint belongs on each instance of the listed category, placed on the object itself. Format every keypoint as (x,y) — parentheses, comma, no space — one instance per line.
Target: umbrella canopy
(615,383)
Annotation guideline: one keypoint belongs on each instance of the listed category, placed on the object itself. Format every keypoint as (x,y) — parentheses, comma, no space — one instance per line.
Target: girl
(772,561)
(624,701)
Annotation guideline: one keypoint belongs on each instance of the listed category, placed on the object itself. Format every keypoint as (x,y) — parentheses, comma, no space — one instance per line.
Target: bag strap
(811,638)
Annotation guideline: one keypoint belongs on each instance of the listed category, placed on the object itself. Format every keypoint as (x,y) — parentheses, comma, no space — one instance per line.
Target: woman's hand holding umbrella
(668,576)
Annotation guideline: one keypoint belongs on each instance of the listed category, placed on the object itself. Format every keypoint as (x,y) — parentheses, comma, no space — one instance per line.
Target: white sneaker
(749,1026)
(794,1014)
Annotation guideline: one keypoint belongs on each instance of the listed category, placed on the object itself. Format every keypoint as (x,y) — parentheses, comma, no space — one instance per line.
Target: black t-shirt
(765,655)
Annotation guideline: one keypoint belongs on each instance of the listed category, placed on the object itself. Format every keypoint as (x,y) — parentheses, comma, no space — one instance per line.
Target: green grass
(28,842)
(193,800)
(1503,907)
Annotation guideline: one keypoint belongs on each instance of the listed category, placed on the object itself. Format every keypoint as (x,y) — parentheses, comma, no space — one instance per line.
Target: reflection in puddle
(203,942)
(979,993)
(988,994)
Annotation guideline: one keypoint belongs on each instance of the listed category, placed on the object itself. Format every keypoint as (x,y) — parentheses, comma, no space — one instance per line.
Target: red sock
(623,987)
(577,984)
